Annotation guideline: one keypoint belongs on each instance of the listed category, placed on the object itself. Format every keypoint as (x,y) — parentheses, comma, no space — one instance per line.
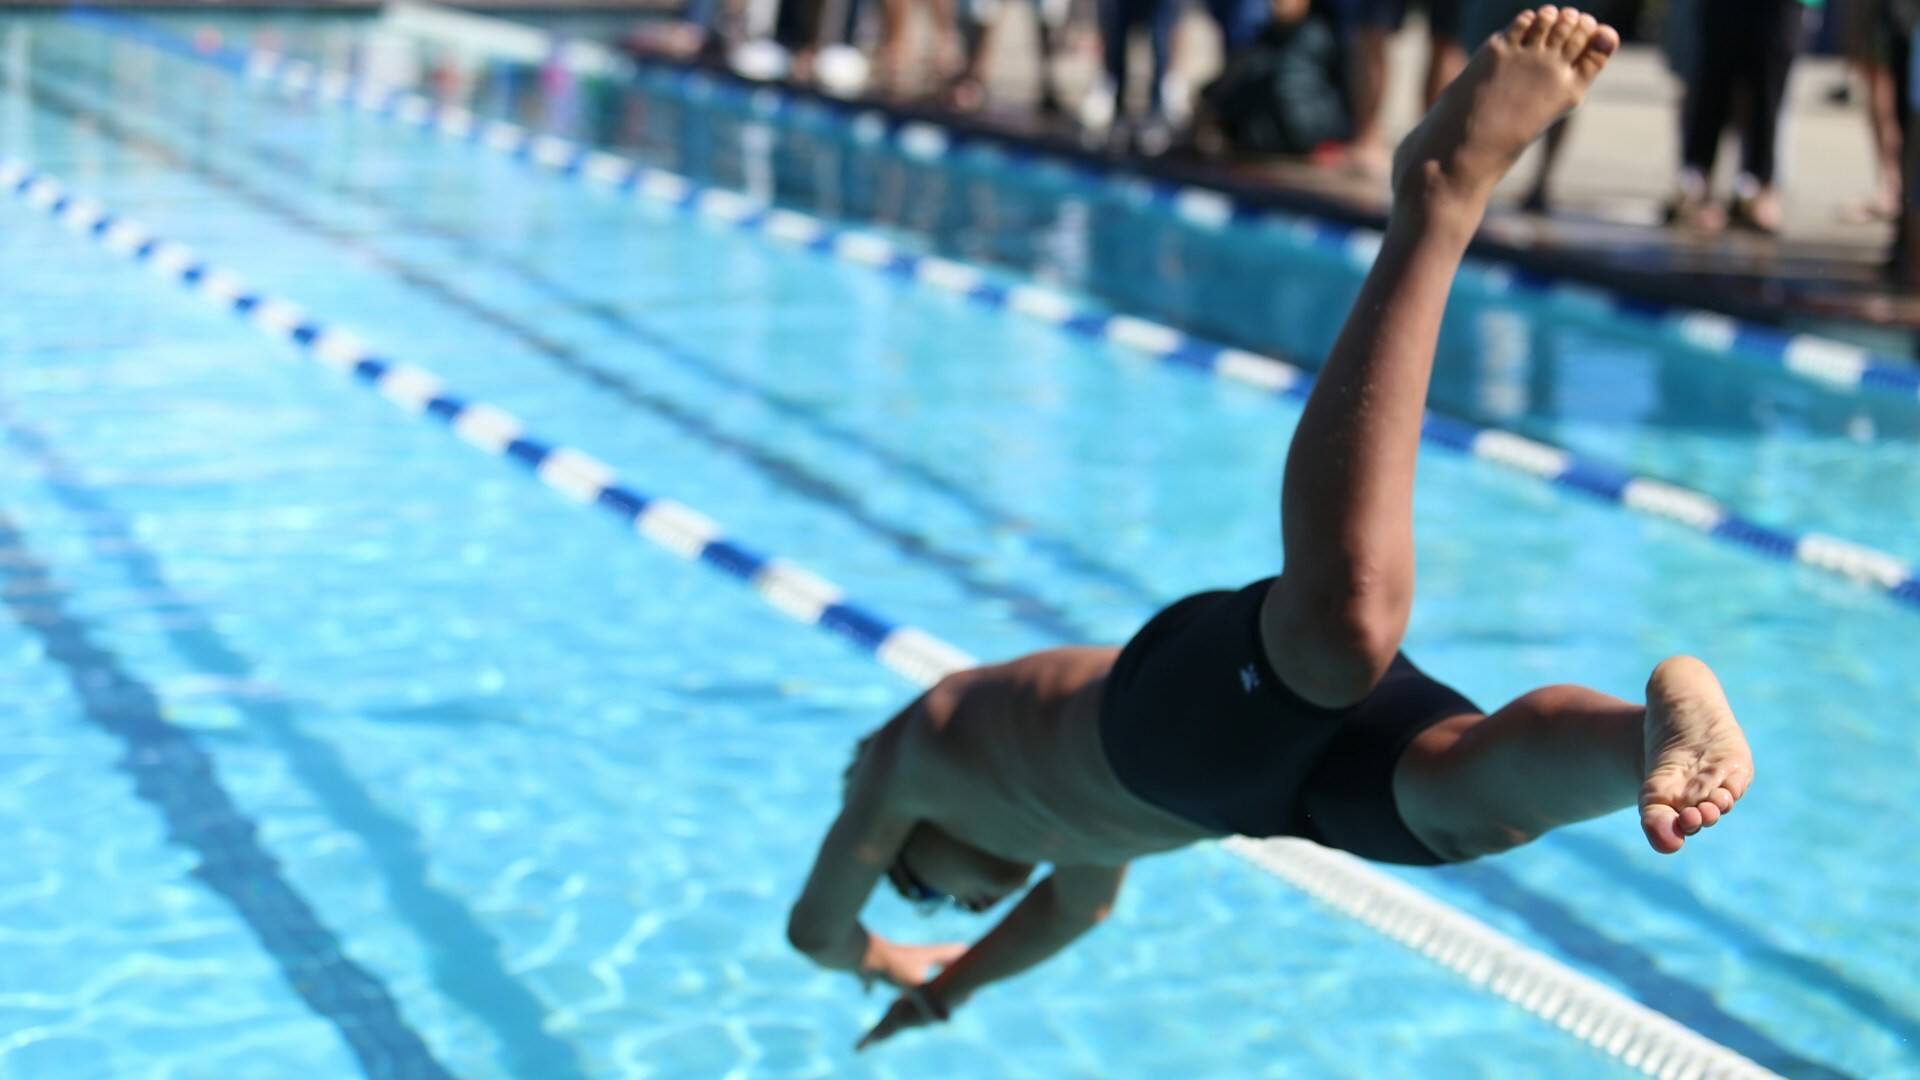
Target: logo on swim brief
(1249,678)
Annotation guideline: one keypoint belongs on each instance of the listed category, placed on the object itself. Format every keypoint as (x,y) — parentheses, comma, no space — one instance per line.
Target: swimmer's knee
(1368,639)
(1333,644)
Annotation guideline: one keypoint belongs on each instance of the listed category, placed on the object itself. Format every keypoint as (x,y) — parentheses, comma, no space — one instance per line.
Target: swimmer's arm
(871,829)
(1070,902)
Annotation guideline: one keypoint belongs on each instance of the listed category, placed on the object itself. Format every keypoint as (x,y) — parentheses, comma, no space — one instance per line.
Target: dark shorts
(1443,16)
(1196,722)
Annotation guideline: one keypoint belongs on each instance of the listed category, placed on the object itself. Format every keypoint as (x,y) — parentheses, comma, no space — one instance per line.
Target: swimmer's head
(934,869)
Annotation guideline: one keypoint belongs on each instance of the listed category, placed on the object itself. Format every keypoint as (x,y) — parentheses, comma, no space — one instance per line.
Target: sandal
(964,94)
(1756,213)
(1694,214)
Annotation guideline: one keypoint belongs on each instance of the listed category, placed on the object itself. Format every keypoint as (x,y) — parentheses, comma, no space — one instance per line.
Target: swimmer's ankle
(1430,202)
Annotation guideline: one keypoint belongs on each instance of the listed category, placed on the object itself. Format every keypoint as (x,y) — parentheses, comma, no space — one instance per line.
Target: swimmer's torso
(1016,754)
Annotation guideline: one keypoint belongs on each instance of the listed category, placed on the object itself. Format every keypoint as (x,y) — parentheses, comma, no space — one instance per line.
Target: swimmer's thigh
(1357,800)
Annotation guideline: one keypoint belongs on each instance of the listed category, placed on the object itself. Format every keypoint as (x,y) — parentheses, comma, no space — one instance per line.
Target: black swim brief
(1196,722)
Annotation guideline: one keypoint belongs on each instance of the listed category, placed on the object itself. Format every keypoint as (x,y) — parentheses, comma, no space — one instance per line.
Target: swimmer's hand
(917,1006)
(905,966)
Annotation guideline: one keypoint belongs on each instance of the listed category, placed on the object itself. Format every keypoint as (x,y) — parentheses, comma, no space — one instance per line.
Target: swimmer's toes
(1535,32)
(1690,820)
(1583,31)
(1562,29)
(1661,824)
(1700,787)
(1727,778)
(1600,48)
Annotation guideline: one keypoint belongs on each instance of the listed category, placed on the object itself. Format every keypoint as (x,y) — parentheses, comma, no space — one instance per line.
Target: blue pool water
(337,746)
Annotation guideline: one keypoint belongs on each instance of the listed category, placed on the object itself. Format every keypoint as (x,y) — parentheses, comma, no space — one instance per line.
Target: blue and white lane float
(1594,478)
(1621,1027)
(1831,363)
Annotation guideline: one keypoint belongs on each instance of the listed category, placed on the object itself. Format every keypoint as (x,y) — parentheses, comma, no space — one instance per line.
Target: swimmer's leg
(1474,785)
(1333,621)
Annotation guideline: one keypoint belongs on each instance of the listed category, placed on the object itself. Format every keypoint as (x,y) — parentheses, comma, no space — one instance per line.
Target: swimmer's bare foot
(1698,763)
(1523,79)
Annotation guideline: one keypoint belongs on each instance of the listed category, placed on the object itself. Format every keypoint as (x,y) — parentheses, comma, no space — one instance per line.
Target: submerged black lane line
(172,772)
(463,956)
(1026,607)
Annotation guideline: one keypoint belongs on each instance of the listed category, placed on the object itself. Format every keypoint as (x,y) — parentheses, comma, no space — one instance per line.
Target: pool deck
(1617,169)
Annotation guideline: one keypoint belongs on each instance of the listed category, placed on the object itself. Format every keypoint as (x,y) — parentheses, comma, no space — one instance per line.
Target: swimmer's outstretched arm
(1069,902)
(879,812)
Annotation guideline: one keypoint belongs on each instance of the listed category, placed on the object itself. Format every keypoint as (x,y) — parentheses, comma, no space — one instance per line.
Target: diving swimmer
(1284,708)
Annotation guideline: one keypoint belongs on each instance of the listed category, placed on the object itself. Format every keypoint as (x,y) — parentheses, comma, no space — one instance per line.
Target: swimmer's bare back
(1009,758)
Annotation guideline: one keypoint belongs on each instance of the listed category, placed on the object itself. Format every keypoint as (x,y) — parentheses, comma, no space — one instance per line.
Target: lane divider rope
(575,474)
(1818,359)
(1591,1011)
(1036,611)
(1591,477)
(1832,364)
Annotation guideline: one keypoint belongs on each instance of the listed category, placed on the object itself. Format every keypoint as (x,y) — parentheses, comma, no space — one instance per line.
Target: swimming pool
(551,790)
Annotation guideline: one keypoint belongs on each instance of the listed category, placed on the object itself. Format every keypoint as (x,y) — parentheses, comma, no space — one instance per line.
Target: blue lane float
(1589,1010)
(601,169)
